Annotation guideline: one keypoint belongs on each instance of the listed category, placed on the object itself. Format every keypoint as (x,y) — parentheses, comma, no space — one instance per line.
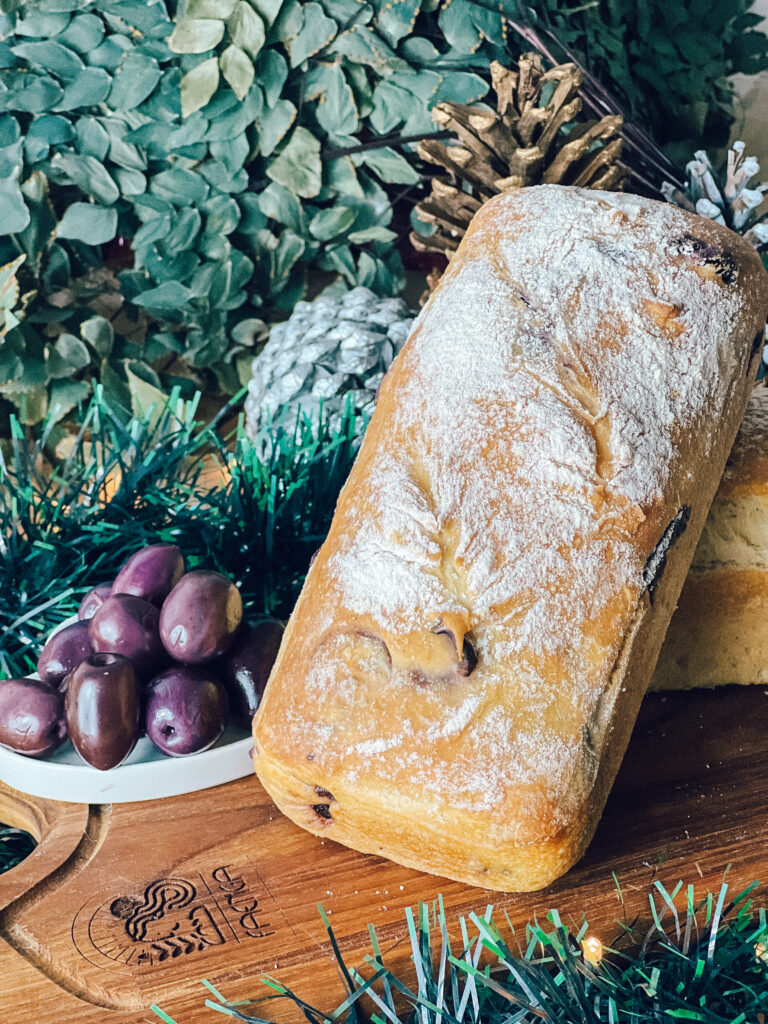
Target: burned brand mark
(172,917)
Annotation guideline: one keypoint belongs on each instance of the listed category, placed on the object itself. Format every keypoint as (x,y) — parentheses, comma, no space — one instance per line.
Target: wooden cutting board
(121,907)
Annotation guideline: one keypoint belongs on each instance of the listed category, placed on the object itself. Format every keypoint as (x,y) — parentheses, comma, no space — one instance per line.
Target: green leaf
(237,68)
(186,227)
(84,33)
(271,71)
(340,259)
(299,166)
(460,87)
(198,85)
(419,50)
(364,47)
(222,216)
(216,173)
(396,19)
(373,234)
(65,395)
(98,331)
(55,58)
(121,152)
(246,28)
(10,131)
(390,166)
(135,78)
(92,138)
(289,249)
(331,222)
(130,182)
(336,111)
(115,389)
(169,297)
(89,88)
(236,120)
(209,8)
(87,173)
(88,223)
(196,35)
(179,186)
(233,153)
(52,129)
(456,24)
(67,356)
(392,106)
(316,33)
(37,237)
(145,393)
(342,177)
(36,96)
(267,9)
(282,205)
(42,23)
(252,219)
(288,23)
(274,124)
(15,213)
(109,53)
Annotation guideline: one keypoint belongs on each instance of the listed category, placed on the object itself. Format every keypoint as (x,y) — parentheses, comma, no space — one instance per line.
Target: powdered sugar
(534,426)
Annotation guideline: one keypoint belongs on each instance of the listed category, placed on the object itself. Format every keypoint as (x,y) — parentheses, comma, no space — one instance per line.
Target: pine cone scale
(521,144)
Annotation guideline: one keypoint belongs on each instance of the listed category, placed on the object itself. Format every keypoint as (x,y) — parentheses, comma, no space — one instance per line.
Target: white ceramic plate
(145,775)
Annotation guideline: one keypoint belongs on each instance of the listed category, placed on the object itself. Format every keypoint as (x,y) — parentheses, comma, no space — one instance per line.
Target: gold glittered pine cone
(521,144)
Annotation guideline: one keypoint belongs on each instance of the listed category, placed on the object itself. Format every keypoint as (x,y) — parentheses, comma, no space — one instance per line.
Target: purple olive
(151,573)
(128,625)
(245,667)
(31,717)
(63,652)
(102,705)
(200,616)
(186,710)
(93,600)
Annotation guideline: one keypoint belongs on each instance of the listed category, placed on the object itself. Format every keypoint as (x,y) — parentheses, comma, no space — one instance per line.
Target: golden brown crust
(459,679)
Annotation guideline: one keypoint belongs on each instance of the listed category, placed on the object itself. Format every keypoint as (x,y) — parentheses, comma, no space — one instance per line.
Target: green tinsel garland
(15,845)
(707,962)
(128,484)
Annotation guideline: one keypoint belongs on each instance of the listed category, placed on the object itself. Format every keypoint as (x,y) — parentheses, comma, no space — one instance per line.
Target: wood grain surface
(121,907)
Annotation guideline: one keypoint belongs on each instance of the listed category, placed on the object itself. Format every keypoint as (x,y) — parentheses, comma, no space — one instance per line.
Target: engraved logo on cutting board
(172,917)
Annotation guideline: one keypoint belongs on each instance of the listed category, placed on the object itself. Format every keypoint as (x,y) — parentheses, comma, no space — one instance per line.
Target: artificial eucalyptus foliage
(227,142)
(170,170)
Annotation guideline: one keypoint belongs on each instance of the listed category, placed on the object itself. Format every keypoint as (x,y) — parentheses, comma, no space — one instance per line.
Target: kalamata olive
(93,600)
(31,717)
(245,667)
(186,710)
(128,625)
(63,652)
(200,616)
(102,705)
(151,573)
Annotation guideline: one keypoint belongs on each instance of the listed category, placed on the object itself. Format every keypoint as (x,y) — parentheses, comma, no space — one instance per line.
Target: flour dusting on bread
(531,462)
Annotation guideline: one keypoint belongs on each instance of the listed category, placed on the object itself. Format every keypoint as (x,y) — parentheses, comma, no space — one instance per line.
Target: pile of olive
(158,651)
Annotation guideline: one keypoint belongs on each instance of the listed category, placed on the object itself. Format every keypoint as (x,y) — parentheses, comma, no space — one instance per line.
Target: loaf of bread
(719,633)
(459,679)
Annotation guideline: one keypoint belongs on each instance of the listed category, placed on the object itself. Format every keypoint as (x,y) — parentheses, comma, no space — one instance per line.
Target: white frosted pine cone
(329,352)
